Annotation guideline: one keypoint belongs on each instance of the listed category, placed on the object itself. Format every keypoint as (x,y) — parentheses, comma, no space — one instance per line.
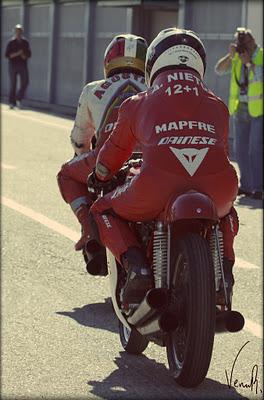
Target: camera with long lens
(241,39)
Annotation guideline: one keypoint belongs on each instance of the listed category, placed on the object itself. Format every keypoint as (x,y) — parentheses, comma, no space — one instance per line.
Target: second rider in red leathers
(182,128)
(124,64)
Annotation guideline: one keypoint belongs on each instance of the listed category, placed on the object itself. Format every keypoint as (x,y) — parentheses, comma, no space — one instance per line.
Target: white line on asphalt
(250,326)
(49,223)
(244,264)
(36,120)
(7,166)
(254,328)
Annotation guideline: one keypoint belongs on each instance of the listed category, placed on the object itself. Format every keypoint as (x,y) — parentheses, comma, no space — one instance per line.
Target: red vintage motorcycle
(185,249)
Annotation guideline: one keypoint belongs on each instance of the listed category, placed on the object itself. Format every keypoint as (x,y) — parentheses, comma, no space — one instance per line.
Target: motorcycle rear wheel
(132,341)
(189,347)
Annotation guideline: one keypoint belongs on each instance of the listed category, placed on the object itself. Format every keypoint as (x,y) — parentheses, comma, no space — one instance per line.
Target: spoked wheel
(132,341)
(190,346)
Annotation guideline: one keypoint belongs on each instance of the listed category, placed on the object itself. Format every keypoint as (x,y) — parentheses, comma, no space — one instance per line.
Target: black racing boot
(229,283)
(139,278)
(95,257)
(82,214)
(94,252)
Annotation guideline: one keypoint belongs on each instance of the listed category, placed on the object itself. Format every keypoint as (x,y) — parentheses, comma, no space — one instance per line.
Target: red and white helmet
(125,52)
(175,47)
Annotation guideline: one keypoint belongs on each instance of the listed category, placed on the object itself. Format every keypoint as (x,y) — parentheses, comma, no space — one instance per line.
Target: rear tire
(132,341)
(190,346)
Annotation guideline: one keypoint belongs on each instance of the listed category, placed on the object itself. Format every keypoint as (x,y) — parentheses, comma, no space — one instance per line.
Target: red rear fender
(191,205)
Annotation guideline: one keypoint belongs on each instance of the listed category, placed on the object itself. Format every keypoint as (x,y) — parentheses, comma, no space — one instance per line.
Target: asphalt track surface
(59,336)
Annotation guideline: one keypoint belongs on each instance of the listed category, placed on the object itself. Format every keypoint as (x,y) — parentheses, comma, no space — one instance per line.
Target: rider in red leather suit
(97,112)
(182,128)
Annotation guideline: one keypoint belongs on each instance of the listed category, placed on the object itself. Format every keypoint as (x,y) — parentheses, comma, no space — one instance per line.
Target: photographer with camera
(245,63)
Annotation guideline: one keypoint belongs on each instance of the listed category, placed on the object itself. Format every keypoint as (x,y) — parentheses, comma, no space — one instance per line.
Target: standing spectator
(17,52)
(245,63)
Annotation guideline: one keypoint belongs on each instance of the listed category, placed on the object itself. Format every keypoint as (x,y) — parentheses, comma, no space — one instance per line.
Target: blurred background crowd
(68,38)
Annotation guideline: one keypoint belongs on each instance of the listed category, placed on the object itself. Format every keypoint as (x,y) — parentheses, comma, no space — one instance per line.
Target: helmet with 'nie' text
(175,48)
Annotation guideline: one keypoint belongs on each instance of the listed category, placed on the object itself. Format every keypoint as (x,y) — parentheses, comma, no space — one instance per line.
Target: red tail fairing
(191,205)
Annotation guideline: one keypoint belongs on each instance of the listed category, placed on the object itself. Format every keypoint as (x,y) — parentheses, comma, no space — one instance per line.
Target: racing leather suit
(182,128)
(96,116)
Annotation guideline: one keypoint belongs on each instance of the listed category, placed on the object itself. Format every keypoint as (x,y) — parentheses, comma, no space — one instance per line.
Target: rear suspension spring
(217,246)
(160,254)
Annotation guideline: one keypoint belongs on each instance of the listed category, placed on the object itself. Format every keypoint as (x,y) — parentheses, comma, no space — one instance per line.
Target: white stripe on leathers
(130,47)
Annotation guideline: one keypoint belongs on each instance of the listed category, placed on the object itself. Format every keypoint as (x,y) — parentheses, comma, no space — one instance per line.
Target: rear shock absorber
(217,251)
(160,255)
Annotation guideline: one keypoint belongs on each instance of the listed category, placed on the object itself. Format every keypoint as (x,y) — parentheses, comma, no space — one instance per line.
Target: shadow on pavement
(249,203)
(96,315)
(139,377)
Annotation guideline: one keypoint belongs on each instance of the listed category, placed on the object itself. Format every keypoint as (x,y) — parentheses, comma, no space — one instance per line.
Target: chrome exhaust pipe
(164,323)
(154,302)
(229,321)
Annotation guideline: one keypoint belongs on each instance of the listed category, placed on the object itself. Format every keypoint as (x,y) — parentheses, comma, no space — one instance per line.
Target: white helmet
(175,47)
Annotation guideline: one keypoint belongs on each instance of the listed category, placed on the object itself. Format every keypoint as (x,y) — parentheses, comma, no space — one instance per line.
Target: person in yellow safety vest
(245,63)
